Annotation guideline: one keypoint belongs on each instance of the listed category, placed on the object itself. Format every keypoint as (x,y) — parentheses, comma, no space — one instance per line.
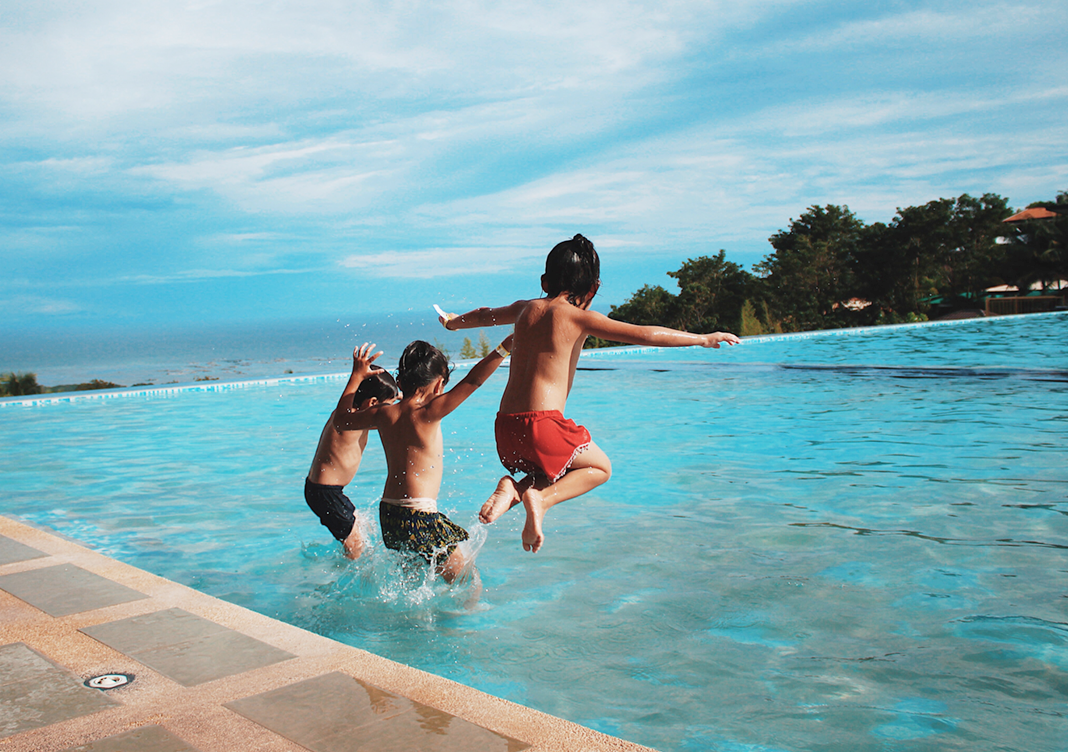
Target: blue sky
(175,162)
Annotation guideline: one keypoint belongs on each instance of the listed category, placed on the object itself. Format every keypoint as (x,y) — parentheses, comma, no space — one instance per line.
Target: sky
(172,163)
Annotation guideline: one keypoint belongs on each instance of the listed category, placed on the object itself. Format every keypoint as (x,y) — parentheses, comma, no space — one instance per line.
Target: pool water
(836,541)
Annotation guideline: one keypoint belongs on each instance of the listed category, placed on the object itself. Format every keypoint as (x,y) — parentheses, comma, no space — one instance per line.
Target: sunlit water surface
(844,541)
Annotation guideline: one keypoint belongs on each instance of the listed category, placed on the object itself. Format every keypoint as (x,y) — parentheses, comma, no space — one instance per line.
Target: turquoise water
(840,541)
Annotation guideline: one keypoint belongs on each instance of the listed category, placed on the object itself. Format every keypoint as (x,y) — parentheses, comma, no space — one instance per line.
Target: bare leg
(590,469)
(507,494)
(356,539)
(452,567)
(476,589)
(459,567)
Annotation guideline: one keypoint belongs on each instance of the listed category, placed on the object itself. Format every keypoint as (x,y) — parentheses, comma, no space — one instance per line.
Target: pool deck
(215,677)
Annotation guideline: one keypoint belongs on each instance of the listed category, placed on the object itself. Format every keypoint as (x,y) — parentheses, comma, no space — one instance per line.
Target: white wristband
(502,351)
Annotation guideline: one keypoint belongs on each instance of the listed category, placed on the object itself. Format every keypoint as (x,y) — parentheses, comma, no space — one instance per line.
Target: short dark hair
(573,267)
(420,364)
(380,385)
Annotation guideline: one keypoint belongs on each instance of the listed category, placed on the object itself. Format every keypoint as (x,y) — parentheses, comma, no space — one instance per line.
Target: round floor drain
(109,681)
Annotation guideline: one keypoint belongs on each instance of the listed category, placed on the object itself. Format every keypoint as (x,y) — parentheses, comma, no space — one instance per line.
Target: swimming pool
(837,541)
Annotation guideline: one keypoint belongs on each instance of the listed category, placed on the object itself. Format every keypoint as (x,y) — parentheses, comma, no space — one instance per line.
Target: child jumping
(410,431)
(337,458)
(558,457)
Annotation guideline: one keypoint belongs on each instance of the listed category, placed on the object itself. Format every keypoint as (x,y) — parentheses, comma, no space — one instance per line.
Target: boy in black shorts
(337,458)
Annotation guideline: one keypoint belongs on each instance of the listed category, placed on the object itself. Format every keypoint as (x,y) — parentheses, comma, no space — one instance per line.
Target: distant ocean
(230,352)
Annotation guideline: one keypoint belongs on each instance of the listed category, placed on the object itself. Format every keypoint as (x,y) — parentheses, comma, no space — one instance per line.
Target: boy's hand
(713,339)
(362,359)
(443,317)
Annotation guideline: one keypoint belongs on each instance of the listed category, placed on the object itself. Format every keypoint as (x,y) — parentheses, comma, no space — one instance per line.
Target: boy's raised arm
(483,317)
(601,326)
(475,378)
(345,417)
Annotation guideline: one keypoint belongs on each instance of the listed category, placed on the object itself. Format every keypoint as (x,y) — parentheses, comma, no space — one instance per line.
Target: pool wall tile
(65,589)
(12,551)
(158,629)
(321,707)
(185,647)
(35,692)
(337,713)
(212,657)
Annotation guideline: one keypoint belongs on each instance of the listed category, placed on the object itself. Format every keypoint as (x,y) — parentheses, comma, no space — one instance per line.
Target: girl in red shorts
(558,458)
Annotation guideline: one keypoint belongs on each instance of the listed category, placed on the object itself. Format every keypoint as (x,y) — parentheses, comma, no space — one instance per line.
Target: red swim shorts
(541,442)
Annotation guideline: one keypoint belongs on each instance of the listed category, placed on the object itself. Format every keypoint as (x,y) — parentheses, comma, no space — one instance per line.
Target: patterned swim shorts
(432,535)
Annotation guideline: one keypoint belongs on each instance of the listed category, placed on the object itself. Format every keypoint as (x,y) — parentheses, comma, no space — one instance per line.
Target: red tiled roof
(1036,213)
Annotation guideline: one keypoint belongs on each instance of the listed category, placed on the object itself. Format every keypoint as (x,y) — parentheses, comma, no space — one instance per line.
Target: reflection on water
(837,542)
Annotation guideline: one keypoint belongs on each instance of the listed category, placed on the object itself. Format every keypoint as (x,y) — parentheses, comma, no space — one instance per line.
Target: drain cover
(109,681)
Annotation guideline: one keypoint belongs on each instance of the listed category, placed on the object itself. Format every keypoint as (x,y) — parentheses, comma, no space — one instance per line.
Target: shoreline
(266,373)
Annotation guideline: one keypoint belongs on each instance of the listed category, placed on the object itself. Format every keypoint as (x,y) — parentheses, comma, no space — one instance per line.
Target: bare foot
(355,542)
(533,536)
(503,498)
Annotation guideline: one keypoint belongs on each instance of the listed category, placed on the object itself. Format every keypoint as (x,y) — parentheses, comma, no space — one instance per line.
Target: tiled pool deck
(210,676)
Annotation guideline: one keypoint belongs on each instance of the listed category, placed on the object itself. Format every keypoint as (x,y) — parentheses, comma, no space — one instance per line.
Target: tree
(1036,250)
(19,385)
(712,292)
(946,247)
(483,344)
(467,350)
(810,273)
(650,306)
(901,264)
(977,225)
(757,320)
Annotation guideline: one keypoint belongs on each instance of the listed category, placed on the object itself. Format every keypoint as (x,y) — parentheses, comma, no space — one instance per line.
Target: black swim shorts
(332,506)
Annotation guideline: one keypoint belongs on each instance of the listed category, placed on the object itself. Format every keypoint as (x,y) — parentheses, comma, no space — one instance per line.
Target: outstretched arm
(345,417)
(476,377)
(601,326)
(483,317)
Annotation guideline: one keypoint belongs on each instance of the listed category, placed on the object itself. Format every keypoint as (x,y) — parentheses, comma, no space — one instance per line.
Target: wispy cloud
(429,263)
(198,275)
(309,176)
(36,305)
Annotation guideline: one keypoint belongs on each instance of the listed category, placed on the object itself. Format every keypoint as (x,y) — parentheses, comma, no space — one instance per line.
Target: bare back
(411,429)
(548,341)
(414,450)
(338,456)
(549,335)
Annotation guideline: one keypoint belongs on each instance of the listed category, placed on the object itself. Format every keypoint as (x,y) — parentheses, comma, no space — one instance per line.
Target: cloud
(98,62)
(36,305)
(429,263)
(308,176)
(90,165)
(159,142)
(898,109)
(919,27)
(198,275)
